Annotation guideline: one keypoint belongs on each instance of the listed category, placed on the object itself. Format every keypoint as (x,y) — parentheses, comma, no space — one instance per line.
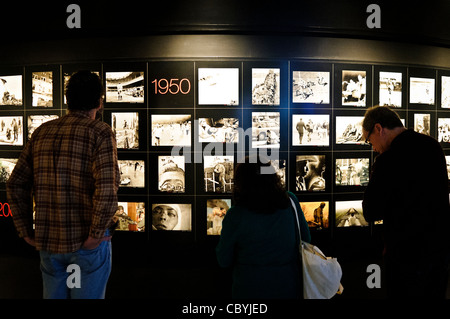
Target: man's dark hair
(257,190)
(383,115)
(84,91)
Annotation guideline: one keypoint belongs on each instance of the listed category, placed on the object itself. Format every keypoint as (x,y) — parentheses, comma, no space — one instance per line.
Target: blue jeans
(91,275)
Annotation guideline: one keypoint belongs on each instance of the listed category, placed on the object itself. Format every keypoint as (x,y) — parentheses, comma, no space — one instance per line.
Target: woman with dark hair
(259,235)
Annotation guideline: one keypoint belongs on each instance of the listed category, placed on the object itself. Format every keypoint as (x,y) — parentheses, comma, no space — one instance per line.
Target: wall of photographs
(183,125)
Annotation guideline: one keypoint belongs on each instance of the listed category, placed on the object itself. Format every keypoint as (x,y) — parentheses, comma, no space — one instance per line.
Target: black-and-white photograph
(124,87)
(391,89)
(216,209)
(317,214)
(11,90)
(171,174)
(125,126)
(42,89)
(265,129)
(280,169)
(218,86)
(422,123)
(171,129)
(311,87)
(447,160)
(34,121)
(309,173)
(131,216)
(310,129)
(6,167)
(349,130)
(265,86)
(350,214)
(352,171)
(132,173)
(353,88)
(445,92)
(444,130)
(173,217)
(11,130)
(221,130)
(421,90)
(218,173)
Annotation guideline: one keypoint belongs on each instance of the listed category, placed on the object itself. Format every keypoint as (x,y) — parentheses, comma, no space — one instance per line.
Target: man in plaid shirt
(69,167)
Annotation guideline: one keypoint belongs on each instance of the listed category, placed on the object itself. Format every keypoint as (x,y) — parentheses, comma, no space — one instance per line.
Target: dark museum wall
(414,40)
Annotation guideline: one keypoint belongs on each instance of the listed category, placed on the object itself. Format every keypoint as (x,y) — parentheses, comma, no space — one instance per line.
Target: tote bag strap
(296,218)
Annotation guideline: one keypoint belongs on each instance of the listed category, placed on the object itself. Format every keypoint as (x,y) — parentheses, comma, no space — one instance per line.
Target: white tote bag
(321,275)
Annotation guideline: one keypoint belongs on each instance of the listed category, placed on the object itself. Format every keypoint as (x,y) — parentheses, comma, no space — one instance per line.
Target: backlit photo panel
(11,130)
(132,173)
(218,174)
(6,167)
(220,130)
(353,88)
(171,129)
(171,217)
(218,86)
(265,129)
(352,171)
(421,90)
(316,214)
(310,170)
(216,209)
(131,216)
(311,87)
(444,130)
(310,129)
(125,126)
(11,90)
(350,214)
(265,86)
(34,121)
(391,89)
(125,87)
(42,89)
(349,130)
(445,92)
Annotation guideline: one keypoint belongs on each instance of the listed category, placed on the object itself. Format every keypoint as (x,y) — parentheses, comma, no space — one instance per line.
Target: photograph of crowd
(125,126)
(265,129)
(421,90)
(352,171)
(218,86)
(171,130)
(42,89)
(218,173)
(171,174)
(130,216)
(311,87)
(391,89)
(350,214)
(11,130)
(216,209)
(174,217)
(311,129)
(34,121)
(265,86)
(316,214)
(124,87)
(349,130)
(10,90)
(132,173)
(353,88)
(309,170)
(221,130)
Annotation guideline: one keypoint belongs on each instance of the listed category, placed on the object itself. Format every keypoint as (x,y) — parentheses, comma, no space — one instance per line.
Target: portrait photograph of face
(42,89)
(265,86)
(11,90)
(218,86)
(444,130)
(311,87)
(171,217)
(350,214)
(309,173)
(171,174)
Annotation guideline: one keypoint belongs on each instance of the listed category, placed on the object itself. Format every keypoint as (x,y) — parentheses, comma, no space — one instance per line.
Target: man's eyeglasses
(367,141)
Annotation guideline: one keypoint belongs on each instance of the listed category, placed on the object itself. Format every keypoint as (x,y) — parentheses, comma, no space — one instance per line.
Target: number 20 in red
(172,86)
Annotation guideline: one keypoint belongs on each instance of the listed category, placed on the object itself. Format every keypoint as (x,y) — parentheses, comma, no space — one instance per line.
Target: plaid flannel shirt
(70,167)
